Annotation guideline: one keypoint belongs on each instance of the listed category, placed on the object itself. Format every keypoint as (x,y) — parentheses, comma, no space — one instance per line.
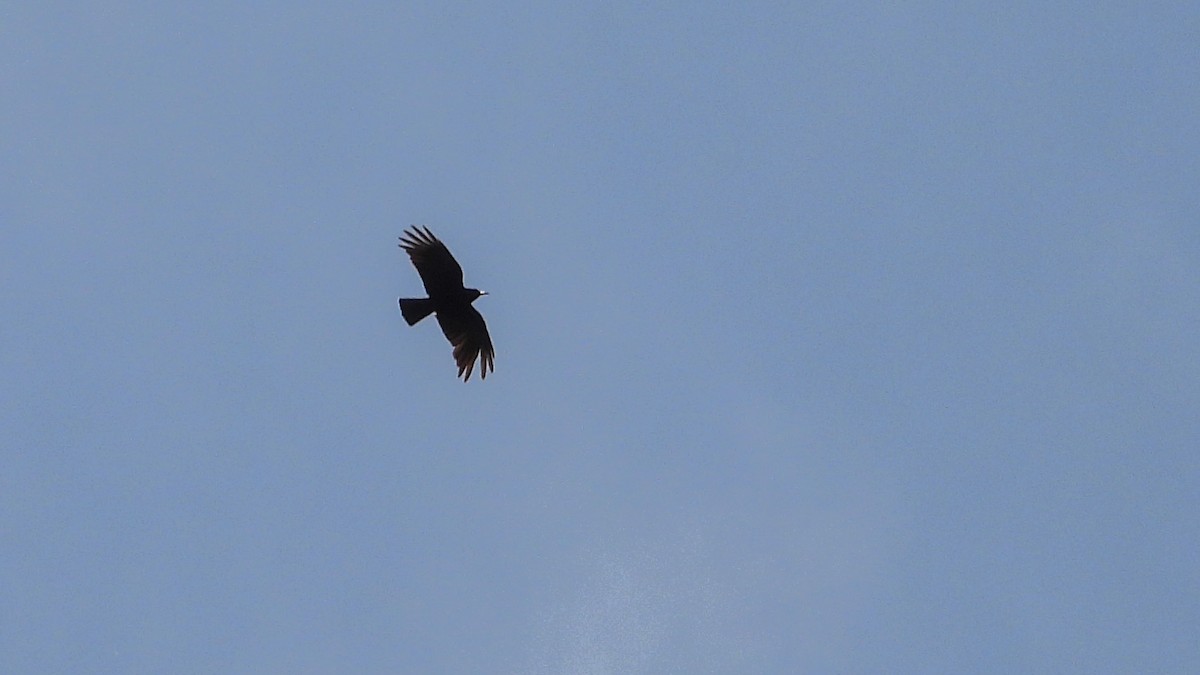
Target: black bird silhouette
(443,279)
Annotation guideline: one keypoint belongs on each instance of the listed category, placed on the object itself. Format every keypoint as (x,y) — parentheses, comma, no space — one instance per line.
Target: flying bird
(449,299)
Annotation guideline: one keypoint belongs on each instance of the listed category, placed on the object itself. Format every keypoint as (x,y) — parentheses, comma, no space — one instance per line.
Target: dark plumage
(443,279)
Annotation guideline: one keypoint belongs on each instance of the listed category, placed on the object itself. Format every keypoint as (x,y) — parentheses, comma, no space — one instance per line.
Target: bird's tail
(415,309)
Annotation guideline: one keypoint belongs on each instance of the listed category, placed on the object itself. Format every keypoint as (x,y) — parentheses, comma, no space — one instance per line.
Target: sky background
(830,337)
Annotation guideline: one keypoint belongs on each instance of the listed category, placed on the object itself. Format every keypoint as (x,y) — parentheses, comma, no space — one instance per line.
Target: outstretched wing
(465,329)
(439,270)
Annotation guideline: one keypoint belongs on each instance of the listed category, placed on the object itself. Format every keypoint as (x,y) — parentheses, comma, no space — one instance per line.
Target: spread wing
(465,329)
(439,270)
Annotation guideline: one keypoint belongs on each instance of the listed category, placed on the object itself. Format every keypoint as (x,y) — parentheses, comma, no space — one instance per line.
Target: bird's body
(415,309)
(449,300)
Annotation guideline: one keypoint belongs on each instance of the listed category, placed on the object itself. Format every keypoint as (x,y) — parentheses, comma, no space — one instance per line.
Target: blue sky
(831,337)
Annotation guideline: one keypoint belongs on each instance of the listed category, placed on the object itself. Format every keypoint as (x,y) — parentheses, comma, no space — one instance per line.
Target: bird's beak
(483,292)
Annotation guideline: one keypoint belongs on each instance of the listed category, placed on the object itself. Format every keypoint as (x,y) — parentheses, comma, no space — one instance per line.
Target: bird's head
(474,293)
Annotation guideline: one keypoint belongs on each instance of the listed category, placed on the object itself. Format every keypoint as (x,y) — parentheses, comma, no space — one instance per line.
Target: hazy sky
(830,337)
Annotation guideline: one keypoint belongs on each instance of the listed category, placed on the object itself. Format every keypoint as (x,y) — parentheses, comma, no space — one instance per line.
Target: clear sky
(830,337)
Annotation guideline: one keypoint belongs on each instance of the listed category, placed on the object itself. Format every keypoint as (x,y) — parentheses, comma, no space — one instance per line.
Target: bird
(442,276)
